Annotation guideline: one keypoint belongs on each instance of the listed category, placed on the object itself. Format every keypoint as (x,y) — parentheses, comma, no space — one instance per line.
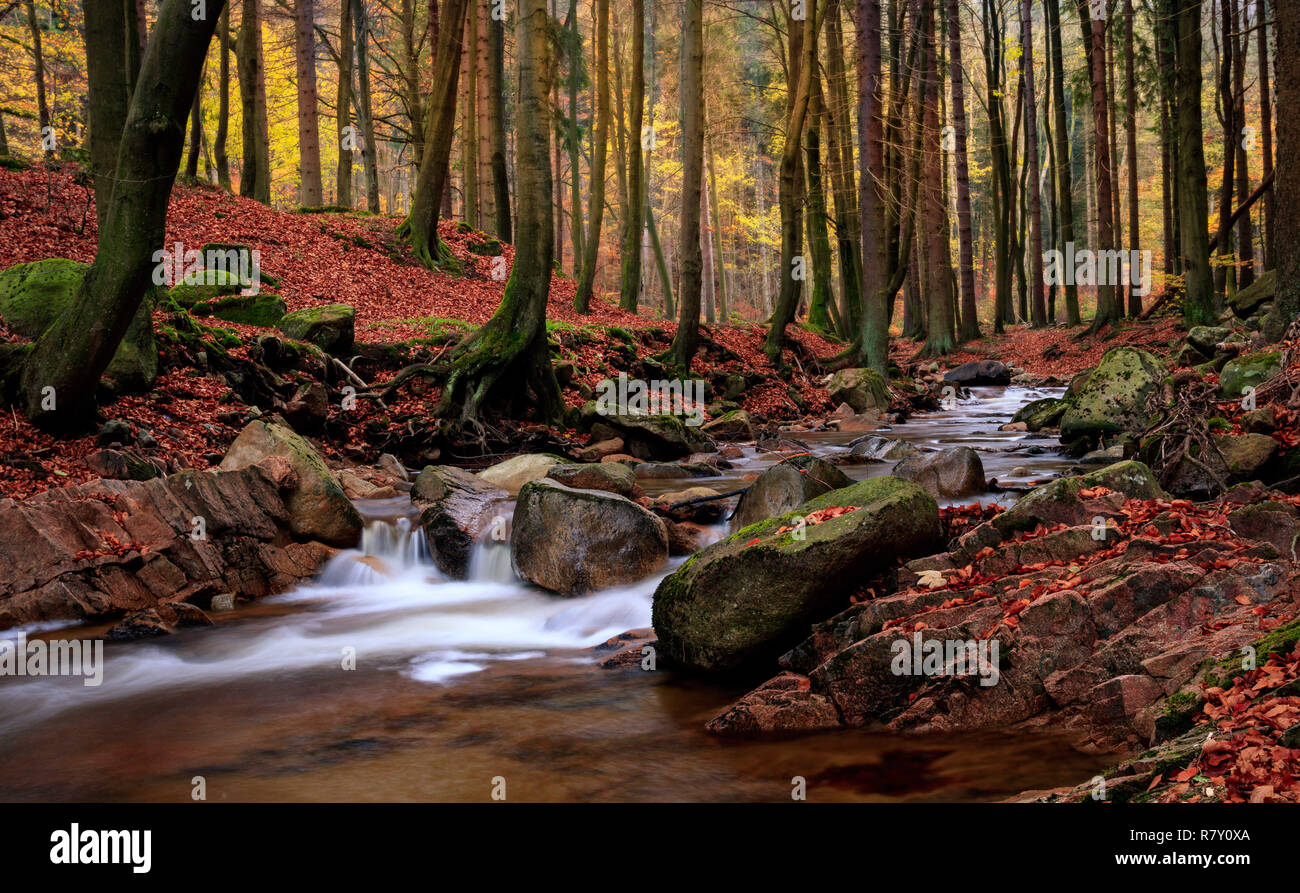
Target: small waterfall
(390,549)
(489,562)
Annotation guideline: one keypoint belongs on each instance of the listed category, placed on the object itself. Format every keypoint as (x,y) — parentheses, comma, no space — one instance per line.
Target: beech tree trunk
(255,169)
(59,376)
(637,206)
(1198,299)
(112,67)
(310,192)
(1286,308)
(1037,302)
(599,150)
(689,259)
(346,130)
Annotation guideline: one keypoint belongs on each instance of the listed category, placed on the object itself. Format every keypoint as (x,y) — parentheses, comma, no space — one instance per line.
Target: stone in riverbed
(608,476)
(874,448)
(863,389)
(740,602)
(663,436)
(1113,398)
(949,474)
(456,507)
(513,473)
(979,372)
(574,541)
(731,426)
(784,486)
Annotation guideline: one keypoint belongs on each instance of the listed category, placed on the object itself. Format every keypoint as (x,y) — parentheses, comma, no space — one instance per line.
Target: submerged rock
(863,389)
(874,448)
(738,603)
(574,541)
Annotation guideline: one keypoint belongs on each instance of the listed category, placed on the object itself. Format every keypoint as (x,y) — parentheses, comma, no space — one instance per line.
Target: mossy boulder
(486,247)
(1114,397)
(863,389)
(331,327)
(263,309)
(33,295)
(318,507)
(739,603)
(207,286)
(1044,413)
(456,508)
(1249,371)
(732,426)
(1246,302)
(572,541)
(1058,502)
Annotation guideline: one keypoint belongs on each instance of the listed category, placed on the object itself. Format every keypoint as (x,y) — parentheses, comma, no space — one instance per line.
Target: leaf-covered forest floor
(406,314)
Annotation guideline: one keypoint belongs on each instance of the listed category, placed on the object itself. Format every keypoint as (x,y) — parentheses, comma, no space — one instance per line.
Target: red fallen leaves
(1245,761)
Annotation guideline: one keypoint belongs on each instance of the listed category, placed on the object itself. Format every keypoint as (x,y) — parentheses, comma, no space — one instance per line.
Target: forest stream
(459,683)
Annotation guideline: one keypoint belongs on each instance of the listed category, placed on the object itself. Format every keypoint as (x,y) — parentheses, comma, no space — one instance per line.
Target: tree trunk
(1037,302)
(715,231)
(1286,308)
(599,151)
(938,263)
(1064,169)
(196,134)
(1094,32)
(819,305)
(690,261)
(638,205)
(483,103)
(255,170)
(38,63)
(420,229)
(310,193)
(112,66)
(60,375)
(500,172)
(346,130)
(369,152)
(508,357)
(871,206)
(1130,130)
(1266,133)
(1198,300)
(1231,131)
(1245,232)
(970,327)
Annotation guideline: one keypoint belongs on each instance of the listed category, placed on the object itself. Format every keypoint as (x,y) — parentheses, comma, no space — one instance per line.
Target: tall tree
(255,168)
(1064,164)
(599,148)
(934,223)
(970,326)
(1245,231)
(38,64)
(1037,303)
(420,229)
(637,206)
(1266,132)
(1198,300)
(507,357)
(362,98)
(803,57)
(1130,132)
(690,261)
(310,193)
(1094,35)
(112,66)
(346,134)
(59,376)
(196,134)
(1286,309)
(497,74)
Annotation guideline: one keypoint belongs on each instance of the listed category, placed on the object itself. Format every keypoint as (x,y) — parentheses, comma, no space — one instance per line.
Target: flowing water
(382,680)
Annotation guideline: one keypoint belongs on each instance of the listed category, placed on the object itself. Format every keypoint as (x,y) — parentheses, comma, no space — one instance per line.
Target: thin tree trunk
(1130,130)
(1286,309)
(370,157)
(599,150)
(1266,133)
(1037,302)
(255,170)
(1064,170)
(1094,32)
(112,66)
(638,203)
(690,262)
(970,327)
(497,104)
(1198,300)
(38,61)
(196,134)
(311,193)
(346,130)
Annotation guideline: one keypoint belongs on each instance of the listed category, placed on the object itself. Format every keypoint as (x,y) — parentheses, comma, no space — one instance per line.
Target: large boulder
(1249,371)
(1114,397)
(264,309)
(318,507)
(979,372)
(1059,502)
(661,436)
(740,602)
(34,295)
(1235,457)
(103,549)
(514,472)
(331,327)
(863,389)
(1246,302)
(949,474)
(456,507)
(784,486)
(574,541)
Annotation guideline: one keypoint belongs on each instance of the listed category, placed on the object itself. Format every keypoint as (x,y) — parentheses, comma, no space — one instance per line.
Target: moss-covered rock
(1247,301)
(487,247)
(33,295)
(737,604)
(785,486)
(1114,397)
(331,327)
(263,309)
(207,286)
(1059,501)
(661,436)
(731,426)
(863,389)
(1249,371)
(1044,413)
